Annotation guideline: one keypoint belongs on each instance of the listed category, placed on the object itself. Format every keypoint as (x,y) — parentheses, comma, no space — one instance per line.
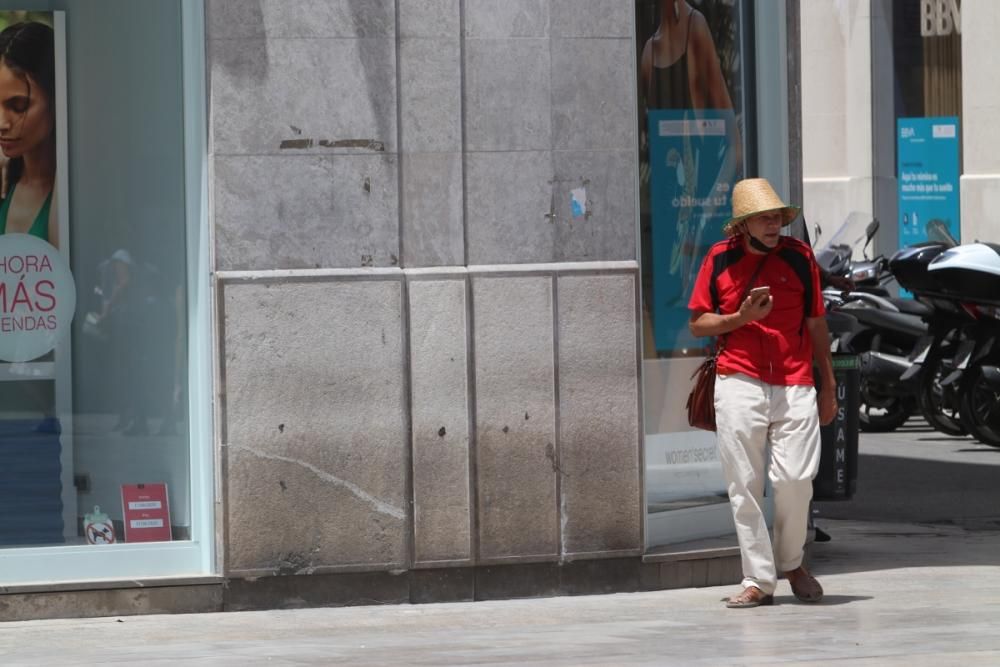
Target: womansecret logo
(37,297)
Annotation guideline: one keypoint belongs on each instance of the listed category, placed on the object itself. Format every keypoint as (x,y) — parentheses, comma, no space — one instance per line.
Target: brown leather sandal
(750,597)
(804,585)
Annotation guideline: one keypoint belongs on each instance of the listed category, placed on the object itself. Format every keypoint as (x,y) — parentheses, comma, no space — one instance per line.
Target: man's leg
(795,450)
(741,410)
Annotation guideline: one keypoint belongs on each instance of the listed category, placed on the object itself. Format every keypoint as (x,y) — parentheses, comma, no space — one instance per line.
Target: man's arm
(827,398)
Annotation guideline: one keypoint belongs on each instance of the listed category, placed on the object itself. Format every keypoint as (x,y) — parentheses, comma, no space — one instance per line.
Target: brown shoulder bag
(701,400)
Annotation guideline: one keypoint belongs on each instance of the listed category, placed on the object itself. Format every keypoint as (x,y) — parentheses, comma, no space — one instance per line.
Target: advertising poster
(37,290)
(691,153)
(927,176)
(690,93)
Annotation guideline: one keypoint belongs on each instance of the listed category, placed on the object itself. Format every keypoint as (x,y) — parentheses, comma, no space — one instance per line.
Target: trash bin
(837,478)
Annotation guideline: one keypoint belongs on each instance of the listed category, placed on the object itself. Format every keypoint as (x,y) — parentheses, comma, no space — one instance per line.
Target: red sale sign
(146,512)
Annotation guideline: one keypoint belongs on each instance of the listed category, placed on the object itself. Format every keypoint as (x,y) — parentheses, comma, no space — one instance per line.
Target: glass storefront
(105,448)
(693,60)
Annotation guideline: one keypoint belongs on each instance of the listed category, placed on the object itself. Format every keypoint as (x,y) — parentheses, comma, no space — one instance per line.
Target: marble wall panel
(430,95)
(314,427)
(593,94)
(433,233)
(488,19)
(296,96)
(516,455)
(591,18)
(233,19)
(283,212)
(508,95)
(429,18)
(510,207)
(599,440)
(439,393)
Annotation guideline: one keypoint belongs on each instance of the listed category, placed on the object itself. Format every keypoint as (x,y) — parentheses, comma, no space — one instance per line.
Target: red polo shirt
(776,349)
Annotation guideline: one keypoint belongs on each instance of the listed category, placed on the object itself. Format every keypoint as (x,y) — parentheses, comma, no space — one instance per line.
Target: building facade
(873,74)
(363,301)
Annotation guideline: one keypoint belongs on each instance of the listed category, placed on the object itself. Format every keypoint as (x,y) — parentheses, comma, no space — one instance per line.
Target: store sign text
(939,18)
(29,305)
(37,297)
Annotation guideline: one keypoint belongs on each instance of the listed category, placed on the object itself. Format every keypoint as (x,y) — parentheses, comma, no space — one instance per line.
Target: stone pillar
(980,131)
(836,111)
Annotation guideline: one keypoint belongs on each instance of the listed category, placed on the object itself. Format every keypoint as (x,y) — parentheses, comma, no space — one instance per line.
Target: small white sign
(943,131)
(145,505)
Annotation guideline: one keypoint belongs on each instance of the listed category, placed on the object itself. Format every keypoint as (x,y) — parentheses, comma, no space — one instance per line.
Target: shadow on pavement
(913,512)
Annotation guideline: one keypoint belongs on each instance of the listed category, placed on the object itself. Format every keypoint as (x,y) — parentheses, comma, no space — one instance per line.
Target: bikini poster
(37,294)
(37,290)
(691,153)
(691,119)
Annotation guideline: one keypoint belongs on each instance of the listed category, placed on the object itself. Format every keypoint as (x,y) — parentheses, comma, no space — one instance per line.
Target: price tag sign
(146,512)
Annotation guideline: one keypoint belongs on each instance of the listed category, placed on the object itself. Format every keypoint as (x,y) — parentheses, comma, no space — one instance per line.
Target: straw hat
(755,195)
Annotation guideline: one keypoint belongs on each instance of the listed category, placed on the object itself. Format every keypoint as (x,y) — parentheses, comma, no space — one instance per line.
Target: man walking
(760,293)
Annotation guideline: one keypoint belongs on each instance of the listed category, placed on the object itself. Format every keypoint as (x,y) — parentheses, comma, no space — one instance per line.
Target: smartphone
(760,295)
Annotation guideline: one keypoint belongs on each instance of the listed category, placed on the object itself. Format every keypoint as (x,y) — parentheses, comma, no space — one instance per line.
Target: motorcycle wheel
(881,411)
(938,405)
(980,408)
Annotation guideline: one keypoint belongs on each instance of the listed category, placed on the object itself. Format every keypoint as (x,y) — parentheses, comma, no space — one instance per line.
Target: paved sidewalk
(897,594)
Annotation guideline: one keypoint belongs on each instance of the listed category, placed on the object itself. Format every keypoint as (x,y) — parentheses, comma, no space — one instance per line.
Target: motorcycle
(970,276)
(868,321)
(932,360)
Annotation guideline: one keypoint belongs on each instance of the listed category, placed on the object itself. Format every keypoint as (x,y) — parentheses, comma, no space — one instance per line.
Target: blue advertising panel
(692,171)
(927,174)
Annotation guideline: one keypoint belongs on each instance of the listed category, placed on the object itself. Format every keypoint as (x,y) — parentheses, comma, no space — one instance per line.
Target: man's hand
(756,308)
(827,400)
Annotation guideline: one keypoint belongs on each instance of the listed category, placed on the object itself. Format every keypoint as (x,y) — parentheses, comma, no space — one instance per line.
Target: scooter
(970,275)
(868,321)
(934,356)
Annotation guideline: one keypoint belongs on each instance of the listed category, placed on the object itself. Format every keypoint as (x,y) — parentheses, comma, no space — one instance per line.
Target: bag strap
(720,341)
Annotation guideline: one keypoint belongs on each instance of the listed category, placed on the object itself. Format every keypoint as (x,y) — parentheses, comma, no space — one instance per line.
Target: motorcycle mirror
(869,236)
(871,229)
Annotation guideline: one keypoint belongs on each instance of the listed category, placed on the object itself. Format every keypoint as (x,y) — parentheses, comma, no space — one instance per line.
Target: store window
(102,456)
(692,63)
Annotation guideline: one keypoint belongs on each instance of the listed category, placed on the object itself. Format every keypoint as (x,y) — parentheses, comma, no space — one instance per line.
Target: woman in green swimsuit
(27,131)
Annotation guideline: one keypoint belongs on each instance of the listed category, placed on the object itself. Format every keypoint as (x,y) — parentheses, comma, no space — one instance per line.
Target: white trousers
(752,418)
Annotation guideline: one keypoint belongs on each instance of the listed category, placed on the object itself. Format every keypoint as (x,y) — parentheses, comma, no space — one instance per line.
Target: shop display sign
(927,174)
(37,297)
(146,512)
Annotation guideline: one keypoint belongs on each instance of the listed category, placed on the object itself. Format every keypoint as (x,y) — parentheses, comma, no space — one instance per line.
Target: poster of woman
(690,96)
(31,99)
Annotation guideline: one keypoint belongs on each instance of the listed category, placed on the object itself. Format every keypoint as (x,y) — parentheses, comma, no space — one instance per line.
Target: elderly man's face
(766,227)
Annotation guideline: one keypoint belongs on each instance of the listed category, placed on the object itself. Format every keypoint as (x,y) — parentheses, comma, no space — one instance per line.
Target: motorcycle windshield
(851,233)
(848,239)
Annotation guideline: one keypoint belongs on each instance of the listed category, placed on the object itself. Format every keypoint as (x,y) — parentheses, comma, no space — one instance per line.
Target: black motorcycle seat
(905,323)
